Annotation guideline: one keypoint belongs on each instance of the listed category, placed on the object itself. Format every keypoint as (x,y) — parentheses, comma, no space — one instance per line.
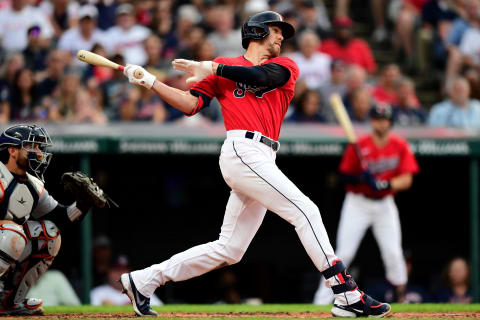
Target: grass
(266,308)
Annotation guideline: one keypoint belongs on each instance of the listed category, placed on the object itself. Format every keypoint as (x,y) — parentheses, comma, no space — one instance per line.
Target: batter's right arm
(179,99)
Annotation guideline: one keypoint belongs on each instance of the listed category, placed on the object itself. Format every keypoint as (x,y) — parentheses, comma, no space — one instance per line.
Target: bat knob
(138,74)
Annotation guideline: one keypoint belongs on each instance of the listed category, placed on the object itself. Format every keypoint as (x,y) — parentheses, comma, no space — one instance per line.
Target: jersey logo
(242,89)
(21,201)
(383,164)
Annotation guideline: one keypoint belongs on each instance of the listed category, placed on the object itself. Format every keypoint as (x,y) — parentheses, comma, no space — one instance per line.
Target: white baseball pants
(248,167)
(358,214)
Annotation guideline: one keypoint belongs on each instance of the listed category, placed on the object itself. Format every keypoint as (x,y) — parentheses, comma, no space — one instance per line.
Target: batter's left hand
(195,69)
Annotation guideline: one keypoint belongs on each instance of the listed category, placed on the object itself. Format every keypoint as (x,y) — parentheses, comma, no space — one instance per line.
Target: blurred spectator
(111,292)
(406,111)
(62,14)
(308,109)
(205,51)
(14,24)
(127,37)
(361,105)
(458,110)
(438,16)
(35,54)
(55,290)
(405,17)
(115,91)
(74,105)
(386,89)
(102,259)
(49,79)
(196,37)
(24,100)
(106,13)
(313,16)
(226,39)
(84,36)
(143,105)
(348,48)
(456,278)
(459,27)
(378,12)
(163,26)
(155,64)
(314,66)
(94,75)
(337,84)
(356,79)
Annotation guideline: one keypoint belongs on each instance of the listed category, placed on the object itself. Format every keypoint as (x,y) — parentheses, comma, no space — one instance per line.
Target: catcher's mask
(33,139)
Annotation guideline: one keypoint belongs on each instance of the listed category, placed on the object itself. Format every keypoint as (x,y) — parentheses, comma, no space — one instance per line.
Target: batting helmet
(24,136)
(381,111)
(256,27)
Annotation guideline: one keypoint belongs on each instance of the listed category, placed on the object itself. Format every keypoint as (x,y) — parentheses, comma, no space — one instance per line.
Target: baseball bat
(344,120)
(98,60)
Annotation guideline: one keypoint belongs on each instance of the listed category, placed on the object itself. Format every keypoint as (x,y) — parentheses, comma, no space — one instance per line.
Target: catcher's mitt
(84,189)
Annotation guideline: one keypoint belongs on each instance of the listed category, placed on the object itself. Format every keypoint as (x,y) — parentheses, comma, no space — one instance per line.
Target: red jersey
(385,163)
(356,52)
(247,107)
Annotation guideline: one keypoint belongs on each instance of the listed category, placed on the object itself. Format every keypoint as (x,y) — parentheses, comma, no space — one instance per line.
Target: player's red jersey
(251,108)
(385,163)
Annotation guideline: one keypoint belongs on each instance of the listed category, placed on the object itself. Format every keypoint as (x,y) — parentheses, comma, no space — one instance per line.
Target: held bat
(98,60)
(344,120)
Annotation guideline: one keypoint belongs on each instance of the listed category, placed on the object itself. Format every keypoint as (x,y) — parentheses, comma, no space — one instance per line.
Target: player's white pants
(249,168)
(358,214)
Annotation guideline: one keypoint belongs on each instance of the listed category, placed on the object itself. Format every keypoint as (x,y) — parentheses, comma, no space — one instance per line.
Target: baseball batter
(254,91)
(369,199)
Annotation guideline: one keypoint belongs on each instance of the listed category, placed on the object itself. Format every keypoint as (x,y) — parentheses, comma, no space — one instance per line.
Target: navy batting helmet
(24,137)
(381,111)
(256,27)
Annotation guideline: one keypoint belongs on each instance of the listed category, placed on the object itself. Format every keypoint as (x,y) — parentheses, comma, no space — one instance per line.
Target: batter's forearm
(179,99)
(402,182)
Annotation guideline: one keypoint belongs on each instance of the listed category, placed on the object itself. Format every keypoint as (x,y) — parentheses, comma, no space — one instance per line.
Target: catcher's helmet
(256,27)
(25,137)
(381,111)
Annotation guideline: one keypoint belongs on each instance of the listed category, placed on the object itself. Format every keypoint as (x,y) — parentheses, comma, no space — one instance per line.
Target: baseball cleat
(141,304)
(28,307)
(365,307)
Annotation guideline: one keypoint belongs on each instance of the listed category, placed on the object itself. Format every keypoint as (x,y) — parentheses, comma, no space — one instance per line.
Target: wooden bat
(344,120)
(98,60)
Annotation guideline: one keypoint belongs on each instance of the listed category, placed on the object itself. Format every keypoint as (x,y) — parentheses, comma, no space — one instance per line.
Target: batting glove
(196,70)
(147,80)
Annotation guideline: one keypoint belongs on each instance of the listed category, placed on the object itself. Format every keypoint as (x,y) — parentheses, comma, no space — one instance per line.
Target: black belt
(266,141)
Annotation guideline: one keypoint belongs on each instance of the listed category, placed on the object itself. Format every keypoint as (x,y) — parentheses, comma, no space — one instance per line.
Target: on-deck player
(369,200)
(254,91)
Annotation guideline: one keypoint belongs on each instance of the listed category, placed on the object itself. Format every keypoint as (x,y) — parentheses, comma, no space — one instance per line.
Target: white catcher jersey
(22,197)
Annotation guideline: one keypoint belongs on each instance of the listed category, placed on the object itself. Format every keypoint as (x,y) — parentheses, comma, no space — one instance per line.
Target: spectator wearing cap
(14,24)
(127,37)
(313,15)
(35,54)
(347,48)
(458,111)
(111,292)
(314,66)
(84,36)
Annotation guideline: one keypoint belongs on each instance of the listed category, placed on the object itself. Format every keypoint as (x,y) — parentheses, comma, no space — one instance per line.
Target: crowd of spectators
(41,80)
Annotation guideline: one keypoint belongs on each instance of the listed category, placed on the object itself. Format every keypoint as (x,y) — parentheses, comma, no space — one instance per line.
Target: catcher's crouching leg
(42,247)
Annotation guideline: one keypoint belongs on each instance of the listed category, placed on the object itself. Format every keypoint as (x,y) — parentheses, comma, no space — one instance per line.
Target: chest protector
(18,196)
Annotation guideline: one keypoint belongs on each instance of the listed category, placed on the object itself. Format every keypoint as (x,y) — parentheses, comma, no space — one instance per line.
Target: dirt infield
(256,315)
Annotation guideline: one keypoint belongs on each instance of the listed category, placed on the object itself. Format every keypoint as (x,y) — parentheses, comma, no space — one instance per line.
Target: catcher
(30,218)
